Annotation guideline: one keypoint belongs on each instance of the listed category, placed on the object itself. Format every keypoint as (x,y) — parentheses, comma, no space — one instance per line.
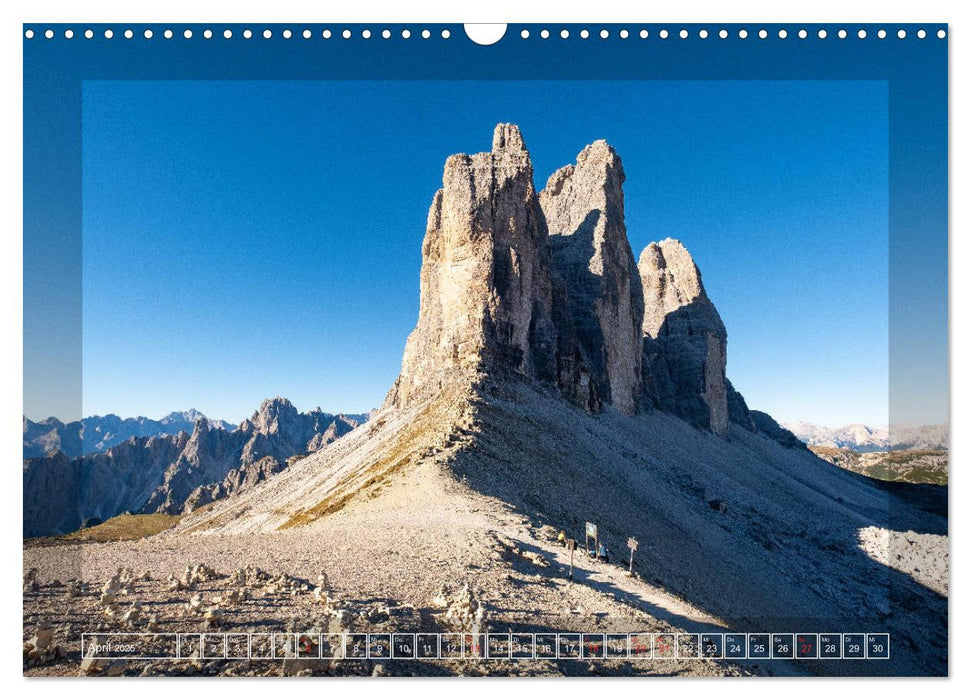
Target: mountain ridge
(97,433)
(171,473)
(868,438)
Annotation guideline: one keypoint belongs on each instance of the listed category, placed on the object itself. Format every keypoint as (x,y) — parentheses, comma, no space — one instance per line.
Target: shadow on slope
(764,537)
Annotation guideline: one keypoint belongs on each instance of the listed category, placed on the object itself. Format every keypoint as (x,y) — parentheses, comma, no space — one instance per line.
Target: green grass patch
(125,527)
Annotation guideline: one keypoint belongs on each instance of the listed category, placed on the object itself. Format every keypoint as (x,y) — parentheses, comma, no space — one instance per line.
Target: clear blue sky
(248,239)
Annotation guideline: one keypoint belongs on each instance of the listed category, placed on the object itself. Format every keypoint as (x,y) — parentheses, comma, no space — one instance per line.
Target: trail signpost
(591,533)
(632,544)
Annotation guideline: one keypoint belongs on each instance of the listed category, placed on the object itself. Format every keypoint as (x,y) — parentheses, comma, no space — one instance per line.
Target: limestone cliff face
(584,209)
(486,291)
(684,339)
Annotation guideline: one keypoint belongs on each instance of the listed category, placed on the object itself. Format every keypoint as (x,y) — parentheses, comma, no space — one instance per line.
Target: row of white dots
(426,34)
(724,34)
(228,34)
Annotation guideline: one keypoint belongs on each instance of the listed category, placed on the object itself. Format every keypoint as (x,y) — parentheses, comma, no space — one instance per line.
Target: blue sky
(248,239)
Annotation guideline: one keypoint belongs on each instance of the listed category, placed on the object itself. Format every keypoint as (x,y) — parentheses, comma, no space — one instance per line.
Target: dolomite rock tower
(584,208)
(544,288)
(486,289)
(684,338)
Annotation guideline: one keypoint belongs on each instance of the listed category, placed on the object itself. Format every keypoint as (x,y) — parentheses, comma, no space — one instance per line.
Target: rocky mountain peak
(277,404)
(685,341)
(584,209)
(543,287)
(200,436)
(507,137)
(671,280)
(486,294)
(190,417)
(273,415)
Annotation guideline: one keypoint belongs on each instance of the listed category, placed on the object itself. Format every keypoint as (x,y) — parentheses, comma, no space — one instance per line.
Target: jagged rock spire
(486,295)
(684,338)
(584,208)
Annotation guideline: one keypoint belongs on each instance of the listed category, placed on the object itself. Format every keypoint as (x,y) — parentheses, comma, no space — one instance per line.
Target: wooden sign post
(632,543)
(591,533)
(571,545)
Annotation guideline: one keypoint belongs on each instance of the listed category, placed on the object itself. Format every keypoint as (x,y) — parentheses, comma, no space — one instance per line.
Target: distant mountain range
(98,433)
(99,467)
(865,438)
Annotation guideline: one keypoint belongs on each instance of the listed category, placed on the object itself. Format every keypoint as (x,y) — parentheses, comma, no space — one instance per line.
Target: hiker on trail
(561,539)
(603,555)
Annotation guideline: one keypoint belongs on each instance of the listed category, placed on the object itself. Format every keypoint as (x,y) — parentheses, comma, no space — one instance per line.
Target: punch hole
(483,34)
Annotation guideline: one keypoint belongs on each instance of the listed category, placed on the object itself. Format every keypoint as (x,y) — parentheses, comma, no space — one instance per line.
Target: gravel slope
(737,534)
